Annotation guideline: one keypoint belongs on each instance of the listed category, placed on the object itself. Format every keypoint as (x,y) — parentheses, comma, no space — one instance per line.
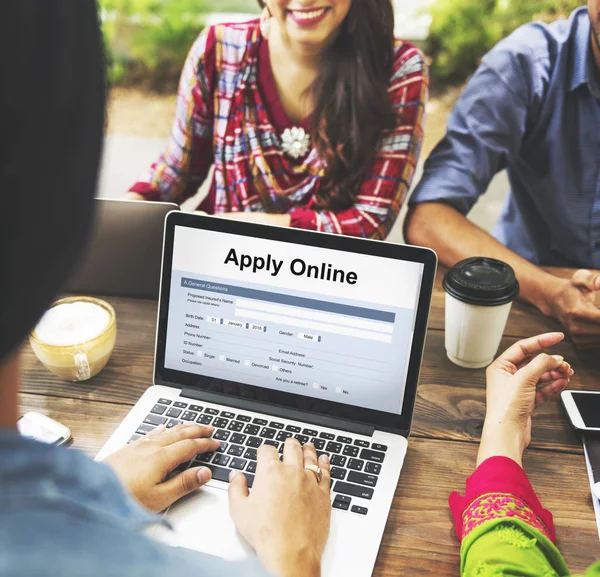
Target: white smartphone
(44,429)
(583,408)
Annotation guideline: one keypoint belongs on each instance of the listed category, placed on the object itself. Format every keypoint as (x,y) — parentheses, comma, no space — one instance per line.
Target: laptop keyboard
(355,463)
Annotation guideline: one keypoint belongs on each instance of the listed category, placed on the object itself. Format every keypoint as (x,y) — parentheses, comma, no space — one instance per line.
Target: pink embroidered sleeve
(499,488)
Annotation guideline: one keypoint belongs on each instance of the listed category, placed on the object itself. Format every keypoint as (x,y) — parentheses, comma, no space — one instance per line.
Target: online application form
(316,322)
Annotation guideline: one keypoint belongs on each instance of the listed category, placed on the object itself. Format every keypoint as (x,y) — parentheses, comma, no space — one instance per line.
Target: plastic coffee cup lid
(482,281)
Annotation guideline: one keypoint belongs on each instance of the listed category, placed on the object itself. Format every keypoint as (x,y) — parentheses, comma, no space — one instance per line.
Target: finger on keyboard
(184,431)
(325,471)
(266,456)
(310,455)
(292,453)
(156,431)
(187,449)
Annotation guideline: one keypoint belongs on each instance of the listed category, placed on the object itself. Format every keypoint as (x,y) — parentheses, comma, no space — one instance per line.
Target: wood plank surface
(449,412)
(451,400)
(419,537)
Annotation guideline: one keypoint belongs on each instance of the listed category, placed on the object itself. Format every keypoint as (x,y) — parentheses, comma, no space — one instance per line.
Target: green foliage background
(462,31)
(147,40)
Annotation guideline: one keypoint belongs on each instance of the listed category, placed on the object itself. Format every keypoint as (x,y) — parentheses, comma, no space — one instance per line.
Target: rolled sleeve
(448,185)
(303,218)
(484,134)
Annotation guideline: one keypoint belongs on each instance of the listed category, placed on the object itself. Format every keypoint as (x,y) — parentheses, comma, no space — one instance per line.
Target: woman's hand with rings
(518,381)
(316,470)
(286,517)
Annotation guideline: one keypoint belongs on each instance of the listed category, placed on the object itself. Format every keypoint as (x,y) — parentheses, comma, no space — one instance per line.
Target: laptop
(267,332)
(124,254)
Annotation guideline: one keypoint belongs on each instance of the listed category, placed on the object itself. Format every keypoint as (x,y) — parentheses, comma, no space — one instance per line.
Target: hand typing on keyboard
(144,466)
(286,517)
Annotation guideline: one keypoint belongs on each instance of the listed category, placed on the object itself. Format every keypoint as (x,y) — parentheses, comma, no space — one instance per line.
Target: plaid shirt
(228,115)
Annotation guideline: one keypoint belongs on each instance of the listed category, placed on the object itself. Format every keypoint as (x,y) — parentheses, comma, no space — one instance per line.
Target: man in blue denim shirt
(62,514)
(533,108)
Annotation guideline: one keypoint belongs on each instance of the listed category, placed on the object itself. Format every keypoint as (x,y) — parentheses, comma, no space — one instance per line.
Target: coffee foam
(72,324)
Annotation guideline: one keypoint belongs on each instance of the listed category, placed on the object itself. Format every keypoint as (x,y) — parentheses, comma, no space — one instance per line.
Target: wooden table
(419,537)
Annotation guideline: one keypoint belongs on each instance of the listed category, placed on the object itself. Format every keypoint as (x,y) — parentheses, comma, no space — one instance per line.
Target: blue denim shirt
(64,515)
(532,107)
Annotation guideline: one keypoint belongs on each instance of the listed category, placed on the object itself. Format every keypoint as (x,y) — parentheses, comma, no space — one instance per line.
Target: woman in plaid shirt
(312,118)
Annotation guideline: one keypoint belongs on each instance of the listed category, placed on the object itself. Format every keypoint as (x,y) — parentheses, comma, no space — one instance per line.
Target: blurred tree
(462,31)
(147,40)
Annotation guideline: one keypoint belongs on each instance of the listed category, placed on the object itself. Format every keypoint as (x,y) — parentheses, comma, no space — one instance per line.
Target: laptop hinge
(278,411)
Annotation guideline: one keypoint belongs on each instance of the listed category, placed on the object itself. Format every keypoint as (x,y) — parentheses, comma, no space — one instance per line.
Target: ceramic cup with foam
(479,295)
(76,337)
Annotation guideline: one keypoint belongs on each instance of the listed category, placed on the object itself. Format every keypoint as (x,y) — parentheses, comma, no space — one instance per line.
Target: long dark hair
(352,107)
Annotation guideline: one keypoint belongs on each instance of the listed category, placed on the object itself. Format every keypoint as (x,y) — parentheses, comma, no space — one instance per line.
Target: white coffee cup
(479,295)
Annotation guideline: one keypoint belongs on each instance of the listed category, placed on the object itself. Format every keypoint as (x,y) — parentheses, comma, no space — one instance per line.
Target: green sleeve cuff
(510,547)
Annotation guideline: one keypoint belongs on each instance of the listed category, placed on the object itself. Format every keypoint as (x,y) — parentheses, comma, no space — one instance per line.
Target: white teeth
(309,15)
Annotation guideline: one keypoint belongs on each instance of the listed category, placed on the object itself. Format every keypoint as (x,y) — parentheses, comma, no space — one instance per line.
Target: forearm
(305,569)
(499,439)
(292,565)
(454,238)
(350,222)
(258,217)
(134,196)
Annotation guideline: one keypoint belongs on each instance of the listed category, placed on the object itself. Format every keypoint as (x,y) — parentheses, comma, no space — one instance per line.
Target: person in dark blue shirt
(532,108)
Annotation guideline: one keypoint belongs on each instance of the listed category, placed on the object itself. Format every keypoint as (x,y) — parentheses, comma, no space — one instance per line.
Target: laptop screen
(327,324)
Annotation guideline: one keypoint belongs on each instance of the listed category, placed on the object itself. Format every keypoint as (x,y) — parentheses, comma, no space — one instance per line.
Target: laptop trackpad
(201,522)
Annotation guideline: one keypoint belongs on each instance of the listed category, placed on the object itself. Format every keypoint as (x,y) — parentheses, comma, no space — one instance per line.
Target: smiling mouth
(308,15)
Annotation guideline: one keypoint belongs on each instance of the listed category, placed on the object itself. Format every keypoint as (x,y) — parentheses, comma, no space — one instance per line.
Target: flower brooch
(295,142)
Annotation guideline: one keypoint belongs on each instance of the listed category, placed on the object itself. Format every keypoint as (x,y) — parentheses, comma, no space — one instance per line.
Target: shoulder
(532,50)
(222,45)
(227,42)
(409,83)
(408,61)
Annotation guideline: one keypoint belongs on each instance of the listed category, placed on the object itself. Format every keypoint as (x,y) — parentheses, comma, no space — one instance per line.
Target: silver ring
(316,470)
